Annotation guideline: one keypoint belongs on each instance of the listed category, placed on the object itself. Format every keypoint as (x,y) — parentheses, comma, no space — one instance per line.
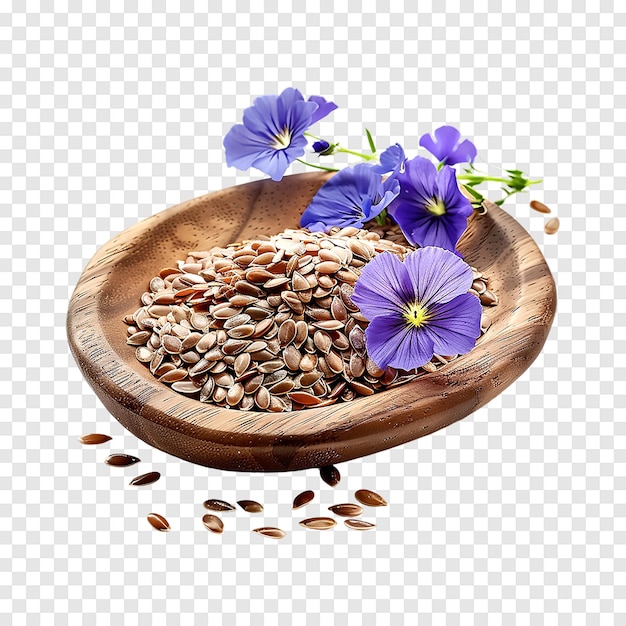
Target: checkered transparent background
(113,111)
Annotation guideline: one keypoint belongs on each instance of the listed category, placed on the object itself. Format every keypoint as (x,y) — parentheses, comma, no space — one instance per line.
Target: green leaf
(474,193)
(370,141)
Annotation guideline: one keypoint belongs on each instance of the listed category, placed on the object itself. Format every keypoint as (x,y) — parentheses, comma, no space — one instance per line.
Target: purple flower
(430,210)
(391,160)
(446,146)
(320,146)
(417,308)
(272,134)
(351,197)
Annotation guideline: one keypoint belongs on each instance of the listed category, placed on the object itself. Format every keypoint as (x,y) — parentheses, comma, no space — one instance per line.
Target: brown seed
(485,322)
(235,394)
(361,388)
(369,498)
(121,460)
(207,342)
(217,505)
(327,267)
(357,365)
(346,510)
(308,362)
(359,524)
(213,523)
(145,479)
(172,345)
(270,531)
(262,398)
(250,506)
(304,398)
(270,366)
(552,226)
(322,341)
(308,379)
(287,332)
(94,439)
(334,362)
(539,206)
(281,387)
(139,338)
(488,298)
(252,384)
(292,357)
(158,522)
(185,386)
(303,498)
(330,475)
(242,363)
(318,523)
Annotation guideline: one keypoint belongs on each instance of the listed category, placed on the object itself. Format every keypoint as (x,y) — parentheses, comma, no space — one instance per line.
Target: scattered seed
(318,523)
(552,226)
(346,510)
(217,505)
(250,506)
(158,522)
(369,498)
(94,439)
(270,531)
(303,498)
(359,524)
(330,475)
(121,460)
(145,479)
(213,523)
(539,206)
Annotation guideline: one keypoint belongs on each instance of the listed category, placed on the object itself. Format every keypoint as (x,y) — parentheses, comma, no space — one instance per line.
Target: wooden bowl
(118,274)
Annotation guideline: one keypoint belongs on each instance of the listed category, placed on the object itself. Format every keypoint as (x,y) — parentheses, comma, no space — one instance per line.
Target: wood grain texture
(119,273)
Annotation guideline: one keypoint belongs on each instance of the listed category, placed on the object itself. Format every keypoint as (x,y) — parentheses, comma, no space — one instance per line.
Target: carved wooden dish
(118,274)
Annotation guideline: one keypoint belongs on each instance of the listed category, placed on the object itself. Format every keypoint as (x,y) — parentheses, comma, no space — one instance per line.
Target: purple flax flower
(391,160)
(430,210)
(321,146)
(272,134)
(351,197)
(417,308)
(446,146)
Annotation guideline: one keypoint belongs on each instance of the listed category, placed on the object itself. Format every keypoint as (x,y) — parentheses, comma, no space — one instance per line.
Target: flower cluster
(416,307)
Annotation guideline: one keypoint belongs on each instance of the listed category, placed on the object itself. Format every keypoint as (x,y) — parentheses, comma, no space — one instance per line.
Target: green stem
(308,134)
(318,167)
(381,218)
(478,178)
(365,157)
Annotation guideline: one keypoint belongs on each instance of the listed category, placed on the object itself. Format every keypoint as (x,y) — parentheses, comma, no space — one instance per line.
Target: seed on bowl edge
(303,498)
(213,523)
(250,506)
(217,505)
(369,498)
(346,510)
(359,524)
(270,531)
(94,439)
(552,226)
(330,475)
(318,523)
(121,460)
(158,522)
(269,324)
(145,479)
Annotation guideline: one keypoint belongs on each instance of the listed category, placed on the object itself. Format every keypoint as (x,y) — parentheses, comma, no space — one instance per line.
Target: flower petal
(446,138)
(455,325)
(384,287)
(324,108)
(464,153)
(437,275)
(390,341)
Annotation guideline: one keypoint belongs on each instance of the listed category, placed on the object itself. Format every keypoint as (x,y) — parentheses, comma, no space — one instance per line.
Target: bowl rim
(346,429)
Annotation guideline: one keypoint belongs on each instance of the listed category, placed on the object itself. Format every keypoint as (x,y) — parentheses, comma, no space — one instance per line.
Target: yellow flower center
(436,207)
(282,140)
(415,314)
